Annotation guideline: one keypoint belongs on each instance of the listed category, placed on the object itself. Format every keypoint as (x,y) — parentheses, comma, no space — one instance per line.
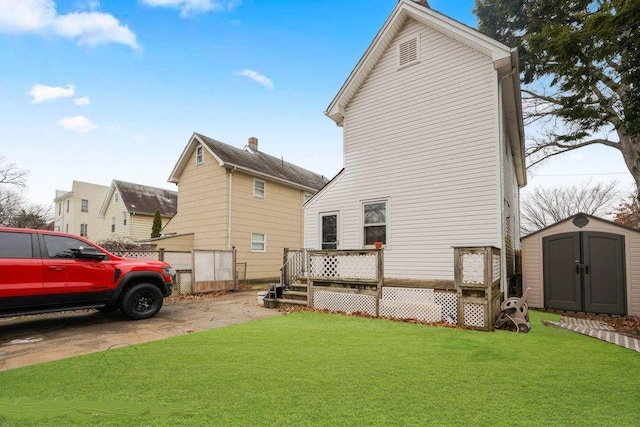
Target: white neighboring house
(433,148)
(76,211)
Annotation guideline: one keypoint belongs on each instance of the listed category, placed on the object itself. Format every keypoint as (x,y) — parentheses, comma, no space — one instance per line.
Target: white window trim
(199,155)
(257,195)
(263,242)
(404,40)
(387,223)
(338,230)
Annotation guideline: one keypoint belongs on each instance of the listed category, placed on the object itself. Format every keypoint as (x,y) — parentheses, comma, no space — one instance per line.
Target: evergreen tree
(157,225)
(580,65)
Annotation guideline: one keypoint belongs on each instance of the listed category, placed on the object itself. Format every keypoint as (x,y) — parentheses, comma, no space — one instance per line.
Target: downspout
(229,208)
(503,254)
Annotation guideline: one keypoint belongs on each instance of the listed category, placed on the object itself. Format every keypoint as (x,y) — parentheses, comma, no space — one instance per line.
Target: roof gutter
(229,209)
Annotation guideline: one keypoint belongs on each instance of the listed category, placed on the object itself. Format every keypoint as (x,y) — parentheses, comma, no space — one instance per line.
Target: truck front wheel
(141,301)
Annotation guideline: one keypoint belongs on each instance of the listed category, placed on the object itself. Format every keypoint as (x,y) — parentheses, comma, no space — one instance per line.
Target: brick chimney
(253,144)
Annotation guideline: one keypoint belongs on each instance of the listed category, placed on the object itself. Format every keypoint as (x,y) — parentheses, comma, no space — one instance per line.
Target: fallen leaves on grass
(627,325)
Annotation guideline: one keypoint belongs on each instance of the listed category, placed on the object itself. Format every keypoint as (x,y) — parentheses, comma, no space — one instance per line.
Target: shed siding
(425,138)
(532,261)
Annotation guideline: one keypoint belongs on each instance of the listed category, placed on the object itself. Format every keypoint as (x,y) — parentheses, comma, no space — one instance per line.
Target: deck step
(296,293)
(281,301)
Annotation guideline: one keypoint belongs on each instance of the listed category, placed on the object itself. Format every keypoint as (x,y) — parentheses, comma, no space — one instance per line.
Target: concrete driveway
(29,340)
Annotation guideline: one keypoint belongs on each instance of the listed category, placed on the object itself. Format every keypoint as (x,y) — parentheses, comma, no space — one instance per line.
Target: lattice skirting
(426,305)
(184,282)
(473,315)
(348,303)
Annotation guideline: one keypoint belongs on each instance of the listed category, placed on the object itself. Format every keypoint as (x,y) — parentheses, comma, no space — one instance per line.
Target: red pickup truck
(44,271)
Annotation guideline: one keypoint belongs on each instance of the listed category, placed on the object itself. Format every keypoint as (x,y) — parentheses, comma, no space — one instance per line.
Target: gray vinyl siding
(426,139)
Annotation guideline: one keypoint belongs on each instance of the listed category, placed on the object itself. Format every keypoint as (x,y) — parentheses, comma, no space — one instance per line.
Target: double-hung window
(84,206)
(83,230)
(258,242)
(375,222)
(259,188)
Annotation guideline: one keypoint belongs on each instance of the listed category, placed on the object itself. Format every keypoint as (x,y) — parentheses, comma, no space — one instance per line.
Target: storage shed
(585,264)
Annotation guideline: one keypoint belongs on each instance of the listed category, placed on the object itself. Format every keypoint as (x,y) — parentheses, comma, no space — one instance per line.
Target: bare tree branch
(11,175)
(546,206)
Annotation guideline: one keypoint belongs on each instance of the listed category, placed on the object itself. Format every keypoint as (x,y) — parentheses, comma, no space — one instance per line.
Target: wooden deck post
(235,271)
(380,276)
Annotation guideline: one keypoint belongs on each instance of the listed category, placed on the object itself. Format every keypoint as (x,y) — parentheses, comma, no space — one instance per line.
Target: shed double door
(584,271)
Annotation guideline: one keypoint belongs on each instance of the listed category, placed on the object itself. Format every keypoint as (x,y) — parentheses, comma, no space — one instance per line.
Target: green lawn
(321,369)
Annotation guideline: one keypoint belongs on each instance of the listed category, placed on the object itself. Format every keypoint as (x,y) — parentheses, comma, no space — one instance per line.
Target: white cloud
(192,7)
(41,17)
(82,101)
(78,124)
(42,93)
(257,77)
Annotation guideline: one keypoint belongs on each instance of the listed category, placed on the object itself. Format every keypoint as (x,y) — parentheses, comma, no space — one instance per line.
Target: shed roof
(253,162)
(572,217)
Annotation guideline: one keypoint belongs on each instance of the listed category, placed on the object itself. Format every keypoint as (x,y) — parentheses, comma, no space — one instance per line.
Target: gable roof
(572,217)
(252,162)
(505,60)
(142,199)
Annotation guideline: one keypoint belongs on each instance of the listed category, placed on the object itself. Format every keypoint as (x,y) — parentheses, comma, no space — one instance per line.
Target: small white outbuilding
(584,264)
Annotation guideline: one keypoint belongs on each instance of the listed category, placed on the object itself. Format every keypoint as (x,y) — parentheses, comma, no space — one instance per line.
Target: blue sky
(95,91)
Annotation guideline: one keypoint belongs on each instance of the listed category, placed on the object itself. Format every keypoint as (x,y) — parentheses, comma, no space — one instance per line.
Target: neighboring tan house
(433,148)
(128,209)
(76,211)
(242,198)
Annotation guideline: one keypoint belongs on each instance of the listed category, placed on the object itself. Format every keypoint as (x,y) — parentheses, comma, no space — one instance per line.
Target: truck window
(15,245)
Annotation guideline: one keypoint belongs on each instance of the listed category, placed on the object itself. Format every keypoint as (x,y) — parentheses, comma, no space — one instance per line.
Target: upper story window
(199,155)
(68,206)
(408,51)
(59,208)
(113,224)
(116,197)
(375,222)
(85,205)
(259,188)
(124,218)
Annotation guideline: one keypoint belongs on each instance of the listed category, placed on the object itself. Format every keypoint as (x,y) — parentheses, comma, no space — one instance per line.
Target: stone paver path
(596,329)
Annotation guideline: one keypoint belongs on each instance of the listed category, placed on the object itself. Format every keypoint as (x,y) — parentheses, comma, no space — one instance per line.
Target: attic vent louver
(408,52)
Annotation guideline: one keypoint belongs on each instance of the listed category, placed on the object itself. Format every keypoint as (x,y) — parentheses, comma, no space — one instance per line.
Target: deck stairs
(296,294)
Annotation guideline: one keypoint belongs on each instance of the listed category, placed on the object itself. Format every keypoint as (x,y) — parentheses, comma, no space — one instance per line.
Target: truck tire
(141,301)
